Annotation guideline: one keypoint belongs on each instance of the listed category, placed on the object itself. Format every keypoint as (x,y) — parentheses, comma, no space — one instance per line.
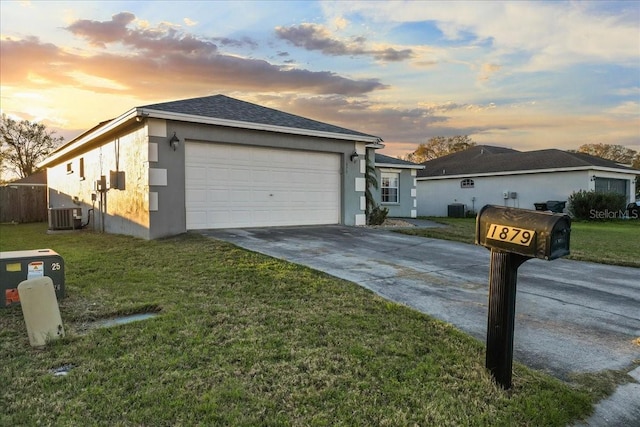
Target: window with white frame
(467,183)
(389,187)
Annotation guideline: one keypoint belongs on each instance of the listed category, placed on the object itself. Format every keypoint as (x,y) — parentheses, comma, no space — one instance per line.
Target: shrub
(587,204)
(377,215)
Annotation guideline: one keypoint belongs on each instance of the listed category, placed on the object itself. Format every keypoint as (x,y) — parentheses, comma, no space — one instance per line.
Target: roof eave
(166,115)
(157,114)
(23,184)
(397,166)
(528,172)
(85,138)
(376,145)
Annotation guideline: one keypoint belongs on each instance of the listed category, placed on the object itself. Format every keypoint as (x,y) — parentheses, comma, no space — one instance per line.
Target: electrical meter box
(18,266)
(526,232)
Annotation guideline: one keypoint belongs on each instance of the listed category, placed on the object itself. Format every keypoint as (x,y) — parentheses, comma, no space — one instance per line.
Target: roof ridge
(227,108)
(549,158)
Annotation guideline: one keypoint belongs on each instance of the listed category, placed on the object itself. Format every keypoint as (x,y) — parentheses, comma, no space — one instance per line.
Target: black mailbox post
(513,236)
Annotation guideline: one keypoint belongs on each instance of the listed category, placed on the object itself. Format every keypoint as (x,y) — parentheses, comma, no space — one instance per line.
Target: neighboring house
(211,162)
(396,186)
(485,175)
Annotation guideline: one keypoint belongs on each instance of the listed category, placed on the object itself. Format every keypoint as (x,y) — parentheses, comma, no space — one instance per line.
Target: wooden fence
(23,203)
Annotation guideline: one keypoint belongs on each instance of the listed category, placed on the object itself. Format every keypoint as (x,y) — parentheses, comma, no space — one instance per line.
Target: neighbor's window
(69,167)
(389,187)
(81,167)
(467,183)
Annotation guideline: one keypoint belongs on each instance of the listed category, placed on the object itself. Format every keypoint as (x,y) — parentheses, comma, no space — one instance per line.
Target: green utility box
(18,266)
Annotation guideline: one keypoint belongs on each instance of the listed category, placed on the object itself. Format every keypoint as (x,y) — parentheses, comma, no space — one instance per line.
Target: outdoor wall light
(174,141)
(593,178)
(354,156)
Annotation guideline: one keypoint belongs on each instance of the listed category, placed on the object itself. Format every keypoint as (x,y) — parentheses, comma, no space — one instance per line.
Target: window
(81,167)
(612,185)
(467,183)
(389,187)
(69,168)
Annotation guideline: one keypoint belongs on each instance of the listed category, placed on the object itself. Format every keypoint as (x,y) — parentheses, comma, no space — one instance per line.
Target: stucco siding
(125,210)
(405,207)
(170,217)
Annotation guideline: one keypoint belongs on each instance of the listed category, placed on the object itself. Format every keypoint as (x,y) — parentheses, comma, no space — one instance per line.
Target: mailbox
(525,232)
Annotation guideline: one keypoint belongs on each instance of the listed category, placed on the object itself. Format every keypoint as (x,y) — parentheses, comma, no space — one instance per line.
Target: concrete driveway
(571,316)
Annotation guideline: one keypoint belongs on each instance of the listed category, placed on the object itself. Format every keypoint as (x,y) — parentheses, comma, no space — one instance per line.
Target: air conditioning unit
(65,218)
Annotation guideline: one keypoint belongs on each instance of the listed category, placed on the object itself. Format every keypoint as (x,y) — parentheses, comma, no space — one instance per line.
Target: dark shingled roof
(487,159)
(224,107)
(381,158)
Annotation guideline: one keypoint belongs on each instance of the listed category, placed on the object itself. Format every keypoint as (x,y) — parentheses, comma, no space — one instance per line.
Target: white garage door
(230,186)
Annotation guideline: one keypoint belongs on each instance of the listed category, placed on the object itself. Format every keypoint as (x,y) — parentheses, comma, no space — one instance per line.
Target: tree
(616,153)
(24,144)
(439,146)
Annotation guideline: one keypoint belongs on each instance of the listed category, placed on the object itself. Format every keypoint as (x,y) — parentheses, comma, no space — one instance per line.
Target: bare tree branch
(24,144)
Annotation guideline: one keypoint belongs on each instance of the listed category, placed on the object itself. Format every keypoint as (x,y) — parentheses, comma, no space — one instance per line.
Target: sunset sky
(514,74)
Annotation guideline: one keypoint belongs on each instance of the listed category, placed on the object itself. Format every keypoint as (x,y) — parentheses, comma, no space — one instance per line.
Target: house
(211,162)
(396,186)
(468,180)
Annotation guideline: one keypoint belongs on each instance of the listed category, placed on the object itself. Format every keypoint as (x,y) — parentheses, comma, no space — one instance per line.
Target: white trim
(157,127)
(22,184)
(158,176)
(153,201)
(360,184)
(153,152)
(531,171)
(397,166)
(74,144)
(377,145)
(361,219)
(396,177)
(255,126)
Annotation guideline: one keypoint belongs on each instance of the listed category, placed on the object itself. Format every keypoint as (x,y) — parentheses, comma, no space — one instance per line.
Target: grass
(610,242)
(245,339)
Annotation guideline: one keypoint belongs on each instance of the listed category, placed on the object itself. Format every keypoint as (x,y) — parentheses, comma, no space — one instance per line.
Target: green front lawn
(610,242)
(245,339)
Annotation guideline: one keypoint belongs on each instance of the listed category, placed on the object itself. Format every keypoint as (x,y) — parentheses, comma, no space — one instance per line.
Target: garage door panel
(239,186)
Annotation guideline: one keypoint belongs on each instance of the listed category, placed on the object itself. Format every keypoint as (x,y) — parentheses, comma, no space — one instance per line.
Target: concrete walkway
(571,317)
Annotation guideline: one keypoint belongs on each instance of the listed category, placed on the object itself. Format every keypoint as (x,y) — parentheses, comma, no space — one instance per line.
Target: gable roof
(235,110)
(386,161)
(488,160)
(222,111)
